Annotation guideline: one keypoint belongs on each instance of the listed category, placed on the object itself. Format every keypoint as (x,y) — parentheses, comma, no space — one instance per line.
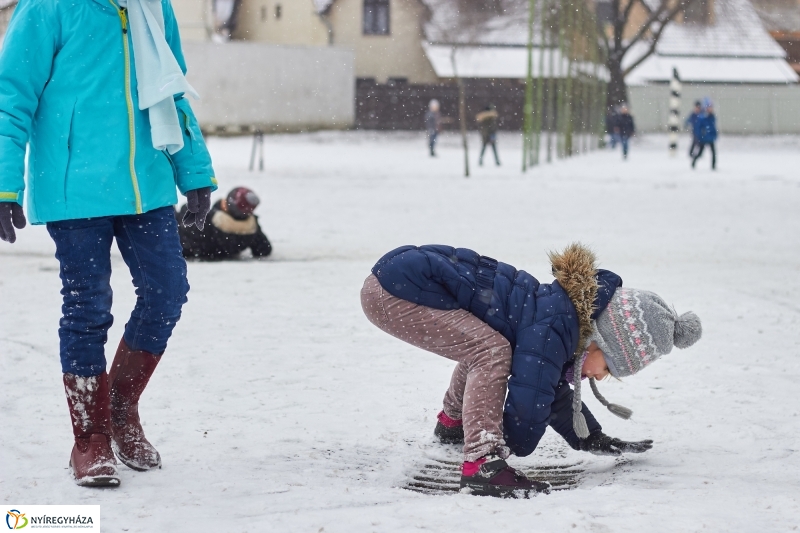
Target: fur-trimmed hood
(575,270)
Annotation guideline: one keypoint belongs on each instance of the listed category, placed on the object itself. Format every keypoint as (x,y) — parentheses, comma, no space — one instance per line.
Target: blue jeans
(151,248)
(432,141)
(623,140)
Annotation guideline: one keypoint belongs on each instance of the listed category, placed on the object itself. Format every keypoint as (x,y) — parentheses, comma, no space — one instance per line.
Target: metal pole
(560,84)
(527,117)
(539,119)
(584,86)
(551,87)
(569,42)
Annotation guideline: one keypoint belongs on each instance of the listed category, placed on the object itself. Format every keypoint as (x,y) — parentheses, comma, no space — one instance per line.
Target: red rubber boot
(92,461)
(128,377)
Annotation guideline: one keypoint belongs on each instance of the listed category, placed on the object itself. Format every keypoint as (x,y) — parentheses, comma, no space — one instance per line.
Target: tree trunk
(462,110)
(617,89)
(462,118)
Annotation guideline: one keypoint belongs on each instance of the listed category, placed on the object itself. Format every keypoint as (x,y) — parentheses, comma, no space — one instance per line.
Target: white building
(729,57)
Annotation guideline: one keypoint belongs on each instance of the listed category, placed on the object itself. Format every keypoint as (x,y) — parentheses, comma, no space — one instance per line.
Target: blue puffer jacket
(545,323)
(705,129)
(68,85)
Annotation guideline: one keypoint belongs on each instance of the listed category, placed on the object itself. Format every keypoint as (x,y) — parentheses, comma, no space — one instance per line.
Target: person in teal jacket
(105,159)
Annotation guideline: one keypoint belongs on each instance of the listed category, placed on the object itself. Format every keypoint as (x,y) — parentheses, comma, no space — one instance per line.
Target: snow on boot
(491,476)
(128,377)
(449,430)
(92,462)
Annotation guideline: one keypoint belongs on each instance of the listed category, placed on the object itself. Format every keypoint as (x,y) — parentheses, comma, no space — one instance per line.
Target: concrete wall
(195,20)
(745,109)
(245,86)
(298,23)
(397,55)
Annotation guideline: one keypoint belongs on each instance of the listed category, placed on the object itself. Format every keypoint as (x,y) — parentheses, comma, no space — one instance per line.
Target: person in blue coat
(690,122)
(705,132)
(96,90)
(508,332)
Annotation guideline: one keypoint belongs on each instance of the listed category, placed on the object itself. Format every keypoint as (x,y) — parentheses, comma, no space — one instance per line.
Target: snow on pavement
(279,407)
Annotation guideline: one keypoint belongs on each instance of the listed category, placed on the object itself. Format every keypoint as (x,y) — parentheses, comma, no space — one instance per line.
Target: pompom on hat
(636,328)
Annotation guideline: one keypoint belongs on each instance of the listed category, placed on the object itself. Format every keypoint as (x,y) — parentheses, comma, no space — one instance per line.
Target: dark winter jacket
(705,129)
(544,323)
(433,122)
(223,236)
(487,125)
(624,125)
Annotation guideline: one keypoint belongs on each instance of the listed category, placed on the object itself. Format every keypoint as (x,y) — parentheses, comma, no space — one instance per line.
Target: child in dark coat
(487,125)
(509,332)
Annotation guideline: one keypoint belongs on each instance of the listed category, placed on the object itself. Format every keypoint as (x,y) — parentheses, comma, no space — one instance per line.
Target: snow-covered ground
(279,407)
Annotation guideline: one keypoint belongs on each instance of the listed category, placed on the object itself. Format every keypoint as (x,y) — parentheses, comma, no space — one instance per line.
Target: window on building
(697,12)
(376,17)
(604,11)
(278,11)
(263,13)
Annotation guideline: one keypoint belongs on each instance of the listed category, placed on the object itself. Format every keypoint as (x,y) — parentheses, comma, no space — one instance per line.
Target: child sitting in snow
(507,330)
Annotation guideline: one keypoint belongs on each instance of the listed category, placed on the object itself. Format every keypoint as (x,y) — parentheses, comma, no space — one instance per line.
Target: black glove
(198,203)
(11,216)
(599,443)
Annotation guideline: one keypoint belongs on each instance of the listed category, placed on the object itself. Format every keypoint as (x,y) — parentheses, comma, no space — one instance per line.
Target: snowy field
(279,407)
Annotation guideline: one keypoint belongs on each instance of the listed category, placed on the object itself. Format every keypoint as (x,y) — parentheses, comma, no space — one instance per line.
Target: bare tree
(649,33)
(459,23)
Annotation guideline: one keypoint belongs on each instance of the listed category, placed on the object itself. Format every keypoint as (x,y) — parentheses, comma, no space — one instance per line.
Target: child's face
(595,364)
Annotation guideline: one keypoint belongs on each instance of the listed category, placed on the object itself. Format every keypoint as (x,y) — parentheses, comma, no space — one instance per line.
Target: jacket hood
(575,270)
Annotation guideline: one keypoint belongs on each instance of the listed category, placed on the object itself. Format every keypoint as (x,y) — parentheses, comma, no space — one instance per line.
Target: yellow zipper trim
(8,196)
(131,126)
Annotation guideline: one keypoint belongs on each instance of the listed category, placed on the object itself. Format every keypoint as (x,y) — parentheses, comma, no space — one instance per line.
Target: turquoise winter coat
(68,86)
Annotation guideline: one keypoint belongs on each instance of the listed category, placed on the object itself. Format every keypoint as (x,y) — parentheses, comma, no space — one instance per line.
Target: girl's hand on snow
(198,203)
(11,216)
(599,443)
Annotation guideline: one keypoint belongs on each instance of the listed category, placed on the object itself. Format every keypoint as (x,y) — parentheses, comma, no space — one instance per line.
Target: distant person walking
(690,122)
(705,131)
(624,129)
(433,124)
(487,125)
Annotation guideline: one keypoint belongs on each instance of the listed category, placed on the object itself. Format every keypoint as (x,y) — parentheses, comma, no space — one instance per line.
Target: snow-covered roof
(450,24)
(735,31)
(734,48)
(761,70)
(322,5)
(778,15)
(496,62)
(653,5)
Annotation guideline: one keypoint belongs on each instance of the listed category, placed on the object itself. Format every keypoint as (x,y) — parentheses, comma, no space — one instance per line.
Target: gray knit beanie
(634,330)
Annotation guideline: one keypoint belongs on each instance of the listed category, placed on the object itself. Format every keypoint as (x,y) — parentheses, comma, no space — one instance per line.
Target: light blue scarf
(158,75)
